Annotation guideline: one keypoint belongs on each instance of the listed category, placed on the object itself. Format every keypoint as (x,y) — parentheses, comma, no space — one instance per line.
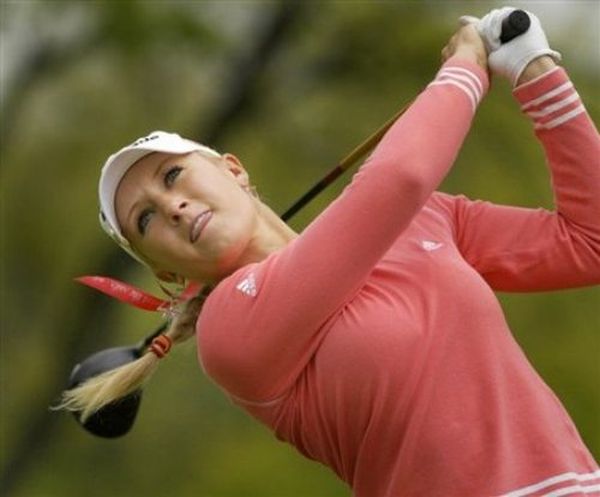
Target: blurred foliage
(122,69)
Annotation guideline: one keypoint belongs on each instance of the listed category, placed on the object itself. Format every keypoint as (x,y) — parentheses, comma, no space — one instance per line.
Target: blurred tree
(69,34)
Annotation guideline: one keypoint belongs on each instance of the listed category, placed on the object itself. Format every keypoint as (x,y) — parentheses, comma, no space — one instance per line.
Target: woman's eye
(143,220)
(171,174)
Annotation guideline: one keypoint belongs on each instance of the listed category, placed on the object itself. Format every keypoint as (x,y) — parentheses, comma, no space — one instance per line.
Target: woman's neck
(272,234)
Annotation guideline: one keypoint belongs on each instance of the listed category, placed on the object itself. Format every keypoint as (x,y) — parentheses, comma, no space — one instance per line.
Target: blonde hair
(100,390)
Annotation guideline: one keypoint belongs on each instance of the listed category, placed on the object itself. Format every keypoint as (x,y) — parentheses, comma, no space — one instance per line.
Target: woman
(373,341)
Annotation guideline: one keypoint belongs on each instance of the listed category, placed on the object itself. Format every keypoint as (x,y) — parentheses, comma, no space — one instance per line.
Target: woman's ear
(236,168)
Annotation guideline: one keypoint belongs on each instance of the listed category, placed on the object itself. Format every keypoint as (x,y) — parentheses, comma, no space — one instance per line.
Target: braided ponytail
(117,383)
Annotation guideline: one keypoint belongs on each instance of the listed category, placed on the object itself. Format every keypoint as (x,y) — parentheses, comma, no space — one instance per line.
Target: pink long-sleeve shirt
(374,342)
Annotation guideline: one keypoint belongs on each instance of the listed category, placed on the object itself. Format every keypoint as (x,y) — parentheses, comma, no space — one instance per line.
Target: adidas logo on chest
(248,286)
(430,245)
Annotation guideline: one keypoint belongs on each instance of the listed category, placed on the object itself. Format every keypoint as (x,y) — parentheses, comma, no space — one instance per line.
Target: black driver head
(116,418)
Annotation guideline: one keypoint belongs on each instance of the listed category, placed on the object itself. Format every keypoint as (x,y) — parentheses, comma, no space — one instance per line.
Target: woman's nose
(176,209)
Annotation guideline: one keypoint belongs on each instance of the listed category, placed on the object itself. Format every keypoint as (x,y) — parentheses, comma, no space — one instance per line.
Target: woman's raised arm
(261,325)
(518,249)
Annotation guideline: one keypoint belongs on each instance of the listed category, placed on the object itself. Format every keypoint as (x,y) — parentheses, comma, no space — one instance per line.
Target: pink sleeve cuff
(465,75)
(480,72)
(550,99)
(540,85)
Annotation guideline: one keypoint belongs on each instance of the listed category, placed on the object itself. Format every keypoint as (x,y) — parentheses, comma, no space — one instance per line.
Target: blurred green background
(290,88)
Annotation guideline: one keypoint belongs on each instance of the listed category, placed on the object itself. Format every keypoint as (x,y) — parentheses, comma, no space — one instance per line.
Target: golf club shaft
(359,152)
(515,24)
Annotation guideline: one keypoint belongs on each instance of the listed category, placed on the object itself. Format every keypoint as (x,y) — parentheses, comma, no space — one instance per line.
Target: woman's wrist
(472,55)
(467,44)
(536,68)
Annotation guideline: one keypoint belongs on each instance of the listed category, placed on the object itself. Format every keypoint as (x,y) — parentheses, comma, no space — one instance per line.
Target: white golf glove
(510,59)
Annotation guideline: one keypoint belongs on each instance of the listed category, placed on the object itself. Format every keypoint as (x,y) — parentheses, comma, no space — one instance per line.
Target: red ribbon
(124,292)
(132,295)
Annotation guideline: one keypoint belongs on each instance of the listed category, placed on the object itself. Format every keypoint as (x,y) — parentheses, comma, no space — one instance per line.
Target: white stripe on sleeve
(458,84)
(463,79)
(465,72)
(553,107)
(574,489)
(564,477)
(561,119)
(547,95)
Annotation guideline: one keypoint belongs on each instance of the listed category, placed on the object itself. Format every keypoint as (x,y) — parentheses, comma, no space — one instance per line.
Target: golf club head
(116,418)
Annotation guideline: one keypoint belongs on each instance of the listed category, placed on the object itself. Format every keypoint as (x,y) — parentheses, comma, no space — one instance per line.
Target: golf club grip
(515,24)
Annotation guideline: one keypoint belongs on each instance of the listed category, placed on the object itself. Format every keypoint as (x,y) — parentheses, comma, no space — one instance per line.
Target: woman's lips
(198,225)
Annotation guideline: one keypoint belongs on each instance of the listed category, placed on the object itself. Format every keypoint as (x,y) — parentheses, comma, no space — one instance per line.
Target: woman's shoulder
(232,292)
(234,329)
(236,301)
(224,321)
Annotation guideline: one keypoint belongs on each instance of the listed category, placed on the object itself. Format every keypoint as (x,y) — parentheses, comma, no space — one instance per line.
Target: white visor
(119,163)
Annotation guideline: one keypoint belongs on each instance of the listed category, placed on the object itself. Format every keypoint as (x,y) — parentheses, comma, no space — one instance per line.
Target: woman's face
(187,214)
